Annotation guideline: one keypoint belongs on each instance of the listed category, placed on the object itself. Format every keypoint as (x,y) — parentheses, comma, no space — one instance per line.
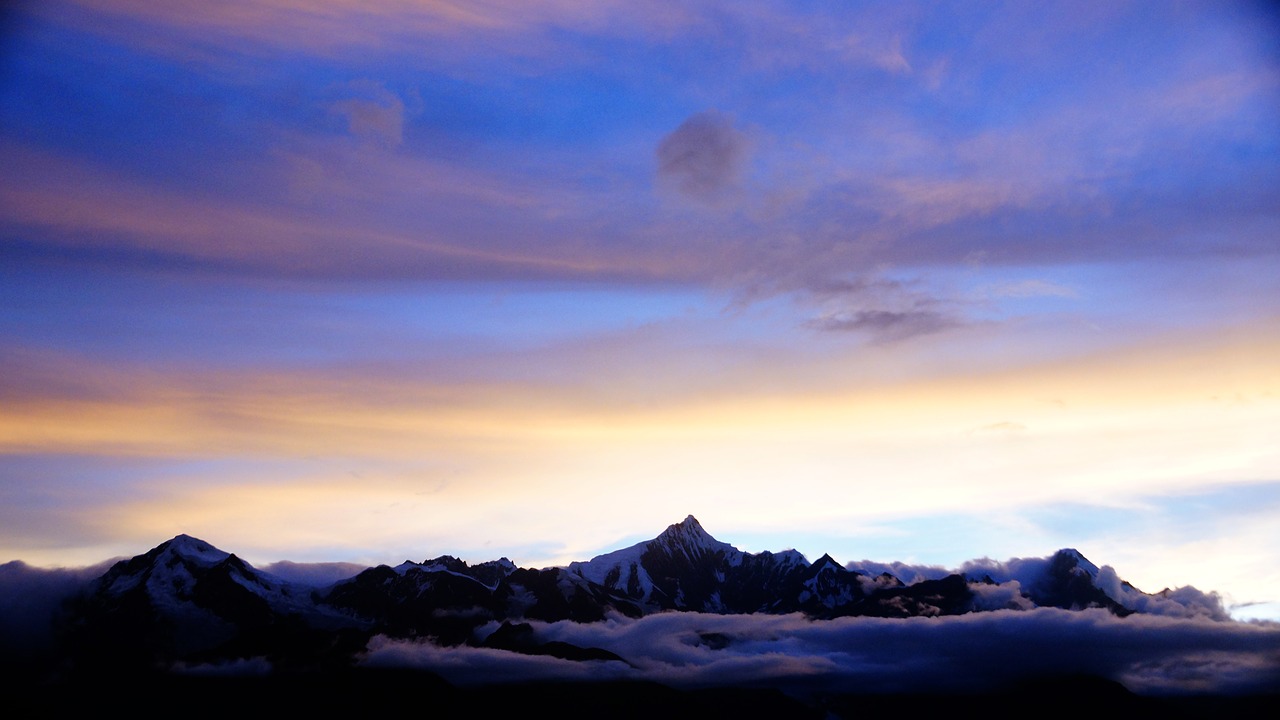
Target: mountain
(685,568)
(187,600)
(447,599)
(1071,582)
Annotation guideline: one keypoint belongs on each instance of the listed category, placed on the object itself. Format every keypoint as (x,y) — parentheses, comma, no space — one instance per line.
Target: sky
(919,282)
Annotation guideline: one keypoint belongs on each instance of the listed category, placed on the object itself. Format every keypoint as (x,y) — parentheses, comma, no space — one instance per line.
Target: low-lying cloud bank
(30,599)
(968,653)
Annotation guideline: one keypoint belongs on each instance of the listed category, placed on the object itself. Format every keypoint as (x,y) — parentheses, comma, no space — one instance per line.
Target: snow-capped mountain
(685,568)
(1068,580)
(186,599)
(185,572)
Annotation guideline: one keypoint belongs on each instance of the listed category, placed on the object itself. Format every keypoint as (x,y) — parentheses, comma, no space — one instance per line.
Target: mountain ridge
(188,600)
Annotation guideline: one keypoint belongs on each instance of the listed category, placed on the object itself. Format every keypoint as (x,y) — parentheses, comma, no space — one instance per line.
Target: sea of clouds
(977,652)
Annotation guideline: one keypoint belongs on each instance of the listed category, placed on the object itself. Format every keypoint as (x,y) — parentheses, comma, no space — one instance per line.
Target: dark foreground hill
(392,693)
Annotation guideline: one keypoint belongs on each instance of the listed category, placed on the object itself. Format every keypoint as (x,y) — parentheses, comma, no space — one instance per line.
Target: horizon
(893,282)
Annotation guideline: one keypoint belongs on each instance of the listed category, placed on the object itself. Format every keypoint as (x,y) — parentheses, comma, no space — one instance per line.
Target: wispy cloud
(83,209)
(212,34)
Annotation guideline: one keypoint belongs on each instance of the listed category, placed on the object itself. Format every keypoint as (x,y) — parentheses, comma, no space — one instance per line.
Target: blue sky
(887,280)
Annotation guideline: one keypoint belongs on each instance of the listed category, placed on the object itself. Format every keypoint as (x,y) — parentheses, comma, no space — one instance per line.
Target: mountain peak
(686,527)
(193,549)
(1070,557)
(688,532)
(827,560)
(689,540)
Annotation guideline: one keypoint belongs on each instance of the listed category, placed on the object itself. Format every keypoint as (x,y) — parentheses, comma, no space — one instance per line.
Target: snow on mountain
(829,585)
(186,597)
(179,573)
(488,573)
(683,568)
(689,539)
(1069,580)
(621,570)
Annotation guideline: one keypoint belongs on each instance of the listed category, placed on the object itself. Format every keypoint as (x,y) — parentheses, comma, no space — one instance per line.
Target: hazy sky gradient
(334,280)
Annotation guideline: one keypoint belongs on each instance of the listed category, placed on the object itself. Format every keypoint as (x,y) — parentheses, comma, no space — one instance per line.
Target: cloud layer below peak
(971,653)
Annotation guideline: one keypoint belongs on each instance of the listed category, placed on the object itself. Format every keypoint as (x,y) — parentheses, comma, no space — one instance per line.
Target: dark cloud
(980,651)
(886,324)
(703,157)
(871,303)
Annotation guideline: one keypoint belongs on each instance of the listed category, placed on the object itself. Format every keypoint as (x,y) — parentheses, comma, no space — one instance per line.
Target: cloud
(860,180)
(29,599)
(886,324)
(703,157)
(1182,602)
(1005,596)
(1032,288)
(467,665)
(240,33)
(375,114)
(76,211)
(907,573)
(318,574)
(986,651)
(871,303)
(1006,426)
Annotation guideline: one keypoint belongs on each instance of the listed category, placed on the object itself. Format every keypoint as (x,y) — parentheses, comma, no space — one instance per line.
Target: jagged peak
(789,556)
(690,535)
(442,559)
(827,560)
(689,539)
(405,567)
(1074,558)
(687,528)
